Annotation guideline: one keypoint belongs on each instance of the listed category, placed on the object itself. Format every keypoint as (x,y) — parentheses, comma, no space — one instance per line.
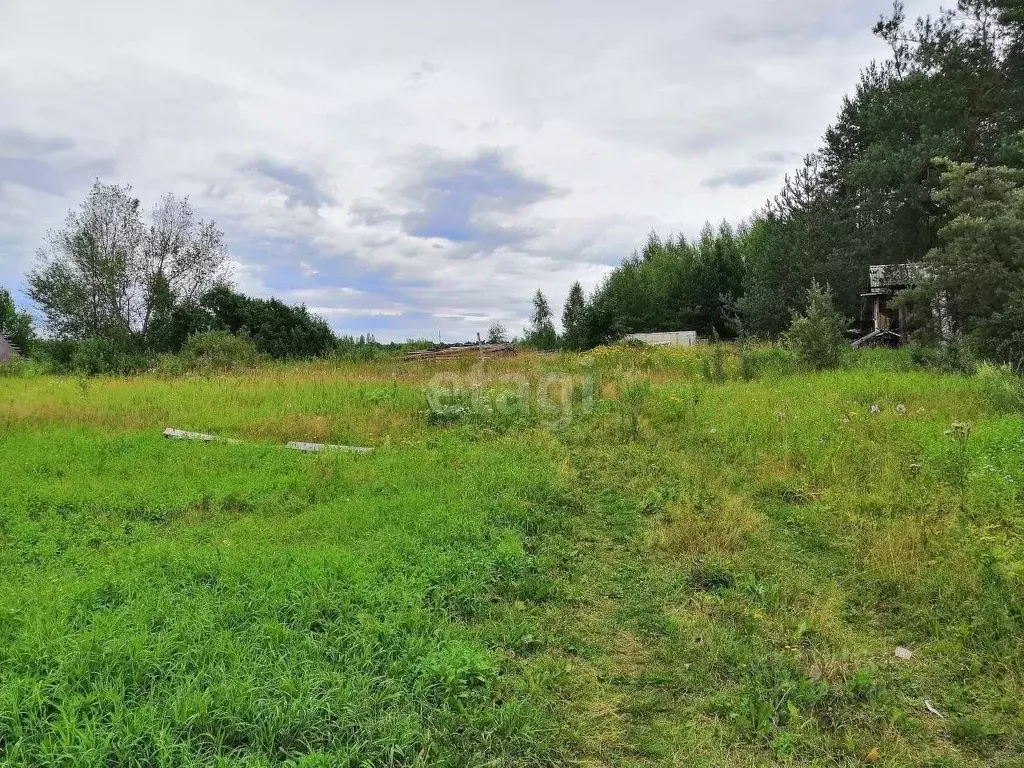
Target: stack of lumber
(459,352)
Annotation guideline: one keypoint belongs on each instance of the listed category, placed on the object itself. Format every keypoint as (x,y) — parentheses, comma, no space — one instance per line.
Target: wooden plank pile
(461,351)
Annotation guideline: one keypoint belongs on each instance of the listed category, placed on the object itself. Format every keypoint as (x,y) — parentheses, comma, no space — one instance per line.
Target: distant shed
(671,339)
(7,350)
(885,282)
(889,323)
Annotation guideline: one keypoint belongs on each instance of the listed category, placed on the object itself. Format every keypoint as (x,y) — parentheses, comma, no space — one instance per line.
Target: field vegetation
(752,554)
(629,557)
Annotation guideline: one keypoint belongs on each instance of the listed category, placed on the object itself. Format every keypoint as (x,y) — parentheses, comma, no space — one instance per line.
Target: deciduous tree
(541,332)
(108,274)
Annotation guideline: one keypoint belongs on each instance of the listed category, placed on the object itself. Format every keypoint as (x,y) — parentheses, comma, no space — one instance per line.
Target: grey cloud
(718,128)
(15,142)
(32,174)
(455,199)
(301,188)
(778,157)
(774,23)
(369,213)
(47,164)
(740,178)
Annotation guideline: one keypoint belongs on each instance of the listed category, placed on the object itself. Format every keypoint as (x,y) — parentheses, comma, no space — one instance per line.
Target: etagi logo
(552,398)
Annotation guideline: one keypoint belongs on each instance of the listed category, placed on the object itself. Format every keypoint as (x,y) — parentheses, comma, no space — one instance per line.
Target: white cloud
(317,133)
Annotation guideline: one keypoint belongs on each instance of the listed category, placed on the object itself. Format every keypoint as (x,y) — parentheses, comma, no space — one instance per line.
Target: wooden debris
(459,352)
(320,448)
(178,434)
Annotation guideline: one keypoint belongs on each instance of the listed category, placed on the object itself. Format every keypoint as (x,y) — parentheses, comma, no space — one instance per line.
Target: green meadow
(625,558)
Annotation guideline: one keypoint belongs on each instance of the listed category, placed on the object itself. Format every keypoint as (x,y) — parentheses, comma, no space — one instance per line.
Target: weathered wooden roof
(879,338)
(7,350)
(888,276)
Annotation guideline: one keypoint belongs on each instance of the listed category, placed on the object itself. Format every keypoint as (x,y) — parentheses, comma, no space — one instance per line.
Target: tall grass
(709,564)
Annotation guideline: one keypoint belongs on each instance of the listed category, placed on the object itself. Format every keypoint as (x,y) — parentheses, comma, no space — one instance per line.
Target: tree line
(923,164)
(118,286)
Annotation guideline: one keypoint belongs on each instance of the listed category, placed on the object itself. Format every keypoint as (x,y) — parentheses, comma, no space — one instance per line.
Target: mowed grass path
(768,545)
(693,573)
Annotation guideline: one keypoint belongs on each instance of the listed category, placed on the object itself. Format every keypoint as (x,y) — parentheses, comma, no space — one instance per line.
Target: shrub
(954,357)
(276,329)
(713,365)
(1001,388)
(497,334)
(817,336)
(18,368)
(217,351)
(104,356)
(90,357)
(767,361)
(633,395)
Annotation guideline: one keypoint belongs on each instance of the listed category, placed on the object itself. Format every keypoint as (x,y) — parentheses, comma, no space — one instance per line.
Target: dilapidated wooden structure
(7,350)
(889,324)
(461,351)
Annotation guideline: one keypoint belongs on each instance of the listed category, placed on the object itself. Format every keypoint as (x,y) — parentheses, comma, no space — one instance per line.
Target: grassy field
(626,558)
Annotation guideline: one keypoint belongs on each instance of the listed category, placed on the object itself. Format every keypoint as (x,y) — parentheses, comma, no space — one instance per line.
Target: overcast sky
(415,168)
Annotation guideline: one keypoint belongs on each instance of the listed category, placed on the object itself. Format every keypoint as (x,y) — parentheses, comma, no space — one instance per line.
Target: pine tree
(574,331)
(817,334)
(978,269)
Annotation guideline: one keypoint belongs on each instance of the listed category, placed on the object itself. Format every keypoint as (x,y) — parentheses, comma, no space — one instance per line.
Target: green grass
(169,604)
(694,573)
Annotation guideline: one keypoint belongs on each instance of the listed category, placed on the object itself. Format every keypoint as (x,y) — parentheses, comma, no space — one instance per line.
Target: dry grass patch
(725,528)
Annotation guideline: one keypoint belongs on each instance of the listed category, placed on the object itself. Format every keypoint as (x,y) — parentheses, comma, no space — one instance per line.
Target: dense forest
(925,163)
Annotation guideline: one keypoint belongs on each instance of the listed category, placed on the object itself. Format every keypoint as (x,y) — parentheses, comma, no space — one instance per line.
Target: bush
(634,392)
(214,351)
(954,357)
(817,336)
(92,357)
(713,365)
(769,361)
(18,368)
(276,329)
(1001,388)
